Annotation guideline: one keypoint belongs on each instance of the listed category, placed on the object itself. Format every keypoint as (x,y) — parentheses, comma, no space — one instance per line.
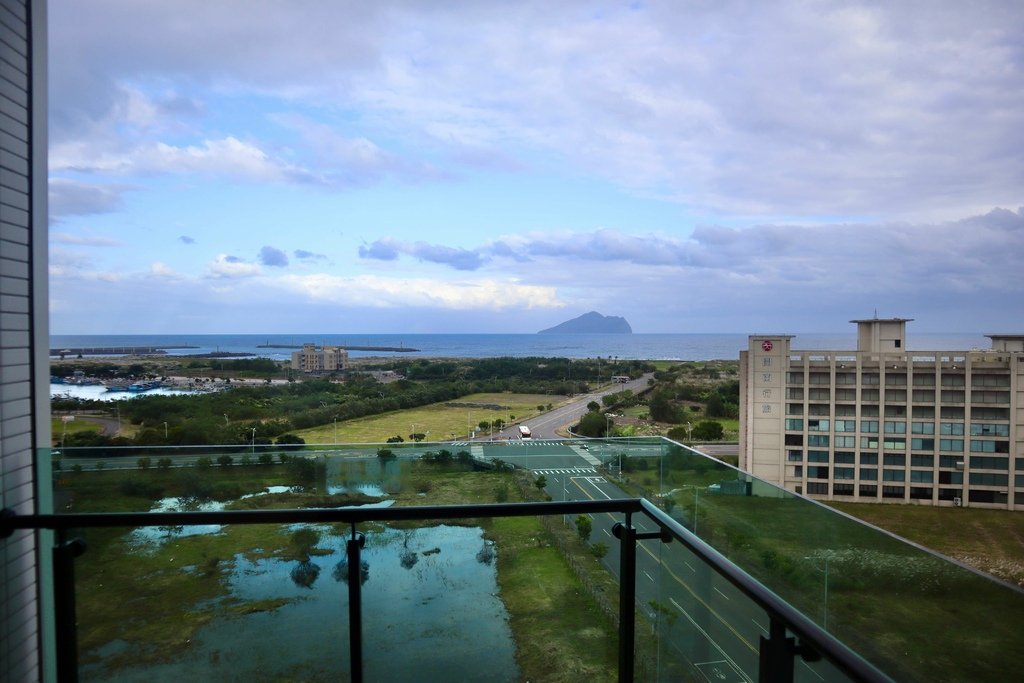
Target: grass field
(439,421)
(58,427)
(989,540)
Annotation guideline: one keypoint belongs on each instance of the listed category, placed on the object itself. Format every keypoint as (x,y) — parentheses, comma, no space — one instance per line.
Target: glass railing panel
(901,607)
(211,602)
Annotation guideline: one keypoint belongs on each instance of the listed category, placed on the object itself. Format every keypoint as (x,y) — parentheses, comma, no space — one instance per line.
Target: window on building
(819,378)
(921,493)
(986,462)
(869,411)
(955,445)
(921,412)
(892,492)
(817,456)
(895,459)
(951,477)
(818,409)
(846,394)
(795,378)
(989,413)
(846,411)
(844,457)
(819,394)
(895,427)
(869,426)
(921,476)
(846,378)
(990,396)
(869,394)
(817,472)
(894,443)
(869,458)
(798,471)
(989,479)
(868,490)
(869,378)
(923,396)
(896,395)
(794,393)
(846,425)
(924,380)
(842,489)
(792,424)
(794,439)
(869,474)
(895,380)
(895,411)
(795,456)
(817,488)
(845,442)
(794,409)
(922,460)
(952,396)
(869,442)
(953,381)
(951,428)
(817,440)
(996,497)
(843,473)
(817,425)
(989,429)
(922,428)
(983,380)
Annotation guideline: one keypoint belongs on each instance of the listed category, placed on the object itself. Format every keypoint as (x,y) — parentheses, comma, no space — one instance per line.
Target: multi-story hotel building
(316,361)
(884,423)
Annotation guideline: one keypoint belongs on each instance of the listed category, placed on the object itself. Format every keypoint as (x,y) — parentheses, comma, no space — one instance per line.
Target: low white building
(317,361)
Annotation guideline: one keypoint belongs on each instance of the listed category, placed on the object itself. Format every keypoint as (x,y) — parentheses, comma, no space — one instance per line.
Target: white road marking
(648,576)
(689,567)
(757,624)
(722,594)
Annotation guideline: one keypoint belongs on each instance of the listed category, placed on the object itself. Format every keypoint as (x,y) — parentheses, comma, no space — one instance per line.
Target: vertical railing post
(777,653)
(627,597)
(64,554)
(355,605)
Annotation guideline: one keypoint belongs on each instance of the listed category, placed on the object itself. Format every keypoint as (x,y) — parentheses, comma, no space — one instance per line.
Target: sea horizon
(637,346)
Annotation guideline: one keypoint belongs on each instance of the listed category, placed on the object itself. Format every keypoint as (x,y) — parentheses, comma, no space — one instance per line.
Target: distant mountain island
(592,322)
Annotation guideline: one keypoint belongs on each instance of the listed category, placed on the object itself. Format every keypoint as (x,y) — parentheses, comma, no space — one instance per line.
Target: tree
(708,430)
(483,424)
(386,454)
(593,406)
(417,436)
(290,441)
(592,425)
(541,482)
(599,549)
(225,460)
(203,463)
(143,463)
(396,439)
(164,463)
(266,459)
(583,527)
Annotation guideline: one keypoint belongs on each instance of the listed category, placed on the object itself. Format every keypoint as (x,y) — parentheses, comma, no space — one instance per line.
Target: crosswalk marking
(568,470)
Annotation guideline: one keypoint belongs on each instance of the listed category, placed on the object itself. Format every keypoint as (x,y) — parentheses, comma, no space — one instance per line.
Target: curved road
(545,426)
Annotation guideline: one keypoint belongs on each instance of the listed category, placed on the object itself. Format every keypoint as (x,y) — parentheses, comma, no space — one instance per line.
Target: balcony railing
(753,583)
(791,637)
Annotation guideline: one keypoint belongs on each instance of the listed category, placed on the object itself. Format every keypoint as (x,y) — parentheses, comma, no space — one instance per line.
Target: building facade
(886,424)
(317,361)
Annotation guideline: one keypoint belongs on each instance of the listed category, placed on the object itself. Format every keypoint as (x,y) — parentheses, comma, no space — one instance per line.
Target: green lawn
(990,540)
(440,421)
(58,427)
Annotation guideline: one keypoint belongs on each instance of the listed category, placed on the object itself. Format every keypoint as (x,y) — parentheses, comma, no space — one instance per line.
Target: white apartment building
(886,424)
(323,360)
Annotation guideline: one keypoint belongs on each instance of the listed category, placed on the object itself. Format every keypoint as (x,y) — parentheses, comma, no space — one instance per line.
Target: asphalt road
(546,425)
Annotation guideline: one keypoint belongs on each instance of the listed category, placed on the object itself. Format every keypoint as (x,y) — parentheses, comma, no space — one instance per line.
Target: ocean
(626,346)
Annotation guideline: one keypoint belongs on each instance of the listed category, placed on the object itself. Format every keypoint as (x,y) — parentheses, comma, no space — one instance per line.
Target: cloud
(185,239)
(231,267)
(162,270)
(304,255)
(387,249)
(74,198)
(84,240)
(269,256)
(375,291)
(848,110)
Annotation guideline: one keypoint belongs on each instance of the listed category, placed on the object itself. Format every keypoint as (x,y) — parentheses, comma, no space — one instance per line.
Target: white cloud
(84,240)
(230,268)
(74,198)
(376,291)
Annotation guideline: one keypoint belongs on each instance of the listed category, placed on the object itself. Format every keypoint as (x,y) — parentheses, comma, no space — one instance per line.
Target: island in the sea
(592,322)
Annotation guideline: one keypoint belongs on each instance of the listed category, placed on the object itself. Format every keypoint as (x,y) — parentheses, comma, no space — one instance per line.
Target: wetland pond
(430,607)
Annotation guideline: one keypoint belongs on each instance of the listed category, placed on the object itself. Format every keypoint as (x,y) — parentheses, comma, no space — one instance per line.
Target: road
(546,425)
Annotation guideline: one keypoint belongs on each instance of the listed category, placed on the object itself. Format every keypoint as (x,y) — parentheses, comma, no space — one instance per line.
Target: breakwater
(116,350)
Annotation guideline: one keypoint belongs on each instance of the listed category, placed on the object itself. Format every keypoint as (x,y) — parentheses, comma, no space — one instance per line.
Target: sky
(322,166)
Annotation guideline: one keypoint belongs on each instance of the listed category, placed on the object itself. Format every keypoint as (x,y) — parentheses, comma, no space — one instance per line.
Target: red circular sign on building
(766,345)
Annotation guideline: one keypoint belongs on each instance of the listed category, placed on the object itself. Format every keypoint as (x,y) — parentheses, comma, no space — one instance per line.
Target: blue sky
(348,167)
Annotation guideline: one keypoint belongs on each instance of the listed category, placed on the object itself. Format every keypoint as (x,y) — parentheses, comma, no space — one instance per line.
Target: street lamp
(689,432)
(165,430)
(824,619)
(607,425)
(335,431)
(696,500)
(254,442)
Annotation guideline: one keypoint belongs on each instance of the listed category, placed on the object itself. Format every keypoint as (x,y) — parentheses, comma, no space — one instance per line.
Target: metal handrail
(813,640)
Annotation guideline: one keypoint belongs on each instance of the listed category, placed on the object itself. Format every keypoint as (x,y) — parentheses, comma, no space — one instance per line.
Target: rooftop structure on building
(884,423)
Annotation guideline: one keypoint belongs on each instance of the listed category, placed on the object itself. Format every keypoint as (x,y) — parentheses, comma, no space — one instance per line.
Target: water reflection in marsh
(431,612)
